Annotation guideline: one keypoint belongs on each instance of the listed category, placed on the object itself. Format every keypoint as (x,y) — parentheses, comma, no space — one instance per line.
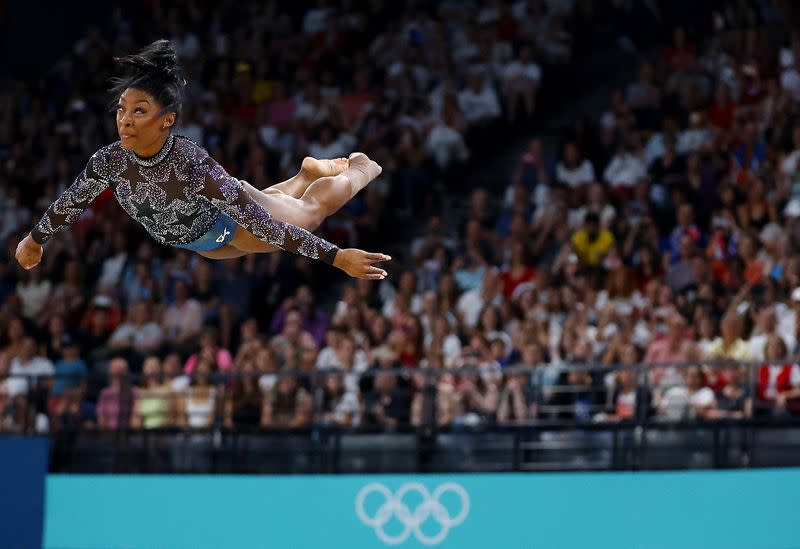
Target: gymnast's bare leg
(323,197)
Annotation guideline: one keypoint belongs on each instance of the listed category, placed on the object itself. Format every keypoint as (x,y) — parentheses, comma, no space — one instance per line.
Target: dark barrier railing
(540,447)
(566,420)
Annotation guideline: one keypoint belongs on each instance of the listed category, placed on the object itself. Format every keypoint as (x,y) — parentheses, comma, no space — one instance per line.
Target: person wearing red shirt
(723,109)
(518,270)
(778,385)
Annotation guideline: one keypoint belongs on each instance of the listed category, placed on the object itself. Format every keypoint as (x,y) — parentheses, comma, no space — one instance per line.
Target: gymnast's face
(141,123)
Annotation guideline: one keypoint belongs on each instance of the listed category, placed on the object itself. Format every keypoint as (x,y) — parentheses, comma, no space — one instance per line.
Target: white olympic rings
(394,506)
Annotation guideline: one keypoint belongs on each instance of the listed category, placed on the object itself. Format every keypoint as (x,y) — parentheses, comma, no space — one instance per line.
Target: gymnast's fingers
(378,257)
(375,270)
(373,277)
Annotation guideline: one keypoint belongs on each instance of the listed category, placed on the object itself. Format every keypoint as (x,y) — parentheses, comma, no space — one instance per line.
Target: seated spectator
(335,403)
(388,404)
(626,168)
(115,403)
(627,400)
(245,401)
(33,293)
(313,319)
(730,344)
(592,243)
(778,386)
(478,100)
(735,399)
(70,372)
(96,329)
(694,400)
(344,356)
(477,398)
(574,171)
(209,345)
(138,336)
(578,398)
(13,410)
(154,406)
(31,371)
(443,410)
(513,400)
(73,412)
(521,78)
(183,320)
(173,375)
(198,406)
(288,405)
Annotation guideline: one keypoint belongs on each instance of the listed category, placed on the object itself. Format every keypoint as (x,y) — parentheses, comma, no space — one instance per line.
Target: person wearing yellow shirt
(592,243)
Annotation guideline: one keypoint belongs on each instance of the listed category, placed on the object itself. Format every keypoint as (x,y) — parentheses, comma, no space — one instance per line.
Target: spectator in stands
(32,372)
(627,400)
(154,406)
(335,403)
(183,320)
(115,403)
(778,385)
(244,403)
(70,373)
(734,400)
(197,406)
(209,346)
(138,336)
(592,243)
(573,171)
(389,403)
(13,409)
(730,344)
(287,405)
(513,400)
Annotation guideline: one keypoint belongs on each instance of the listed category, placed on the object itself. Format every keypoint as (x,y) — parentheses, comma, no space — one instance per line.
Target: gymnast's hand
(29,253)
(360,264)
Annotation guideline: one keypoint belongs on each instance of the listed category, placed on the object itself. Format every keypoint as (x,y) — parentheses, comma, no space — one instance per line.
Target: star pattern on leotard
(144,210)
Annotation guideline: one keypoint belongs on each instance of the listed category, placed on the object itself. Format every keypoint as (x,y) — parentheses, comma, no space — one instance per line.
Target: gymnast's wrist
(37,237)
(333,257)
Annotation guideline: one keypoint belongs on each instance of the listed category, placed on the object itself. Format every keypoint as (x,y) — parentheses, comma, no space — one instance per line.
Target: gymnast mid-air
(184,198)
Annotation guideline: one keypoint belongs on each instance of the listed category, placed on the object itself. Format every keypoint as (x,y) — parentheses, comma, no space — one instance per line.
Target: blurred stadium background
(593,209)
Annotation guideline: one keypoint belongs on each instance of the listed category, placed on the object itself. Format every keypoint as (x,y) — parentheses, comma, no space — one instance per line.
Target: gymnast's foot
(366,169)
(312,168)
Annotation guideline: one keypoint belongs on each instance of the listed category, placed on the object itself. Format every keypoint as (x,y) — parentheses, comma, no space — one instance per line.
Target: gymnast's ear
(169,121)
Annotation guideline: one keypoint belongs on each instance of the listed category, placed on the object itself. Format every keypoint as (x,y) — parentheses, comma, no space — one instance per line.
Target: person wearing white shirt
(446,145)
(695,136)
(478,101)
(791,163)
(471,303)
(345,357)
(26,368)
(574,171)
(138,333)
(33,293)
(521,77)
(625,169)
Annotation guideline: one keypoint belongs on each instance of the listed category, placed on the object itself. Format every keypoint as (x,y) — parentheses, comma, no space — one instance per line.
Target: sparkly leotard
(176,195)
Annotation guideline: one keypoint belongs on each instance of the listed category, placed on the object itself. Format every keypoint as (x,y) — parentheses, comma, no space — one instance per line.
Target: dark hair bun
(155,69)
(160,56)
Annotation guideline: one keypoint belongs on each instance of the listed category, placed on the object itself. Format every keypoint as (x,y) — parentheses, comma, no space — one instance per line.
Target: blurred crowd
(663,230)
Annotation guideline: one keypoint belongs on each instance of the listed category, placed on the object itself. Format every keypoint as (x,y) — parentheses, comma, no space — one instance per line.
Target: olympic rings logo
(412,521)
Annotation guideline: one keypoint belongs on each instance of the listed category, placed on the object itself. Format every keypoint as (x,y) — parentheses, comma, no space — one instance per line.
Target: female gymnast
(184,198)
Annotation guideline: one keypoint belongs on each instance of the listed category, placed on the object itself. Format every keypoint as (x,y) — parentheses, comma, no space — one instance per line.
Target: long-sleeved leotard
(176,196)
